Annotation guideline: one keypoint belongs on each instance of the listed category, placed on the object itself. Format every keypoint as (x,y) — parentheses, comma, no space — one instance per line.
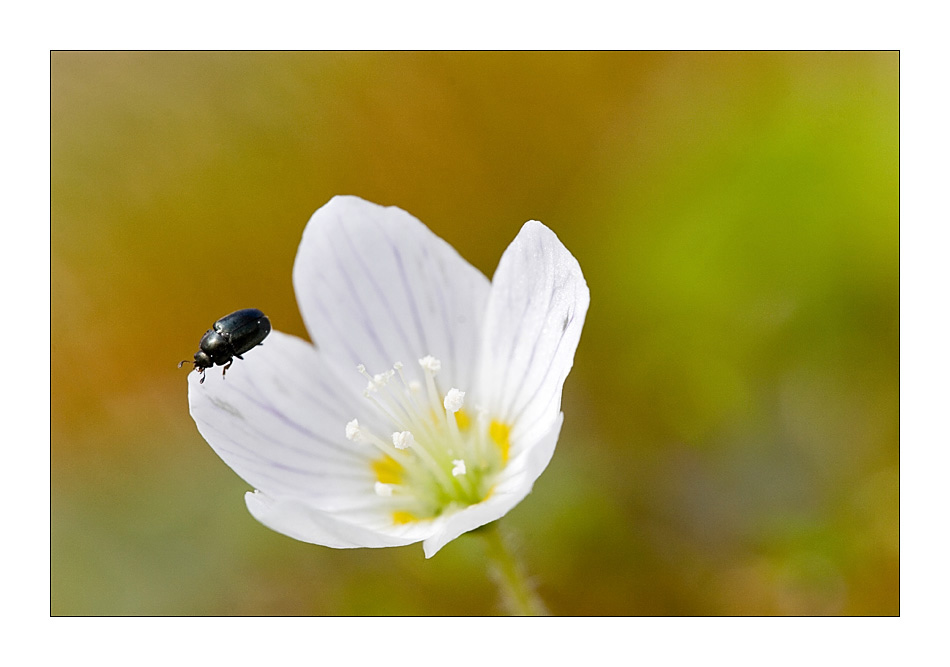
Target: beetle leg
(201,372)
(226,367)
(227,337)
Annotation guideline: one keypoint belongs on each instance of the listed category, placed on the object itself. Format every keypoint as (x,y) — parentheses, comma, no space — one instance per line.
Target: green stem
(517,593)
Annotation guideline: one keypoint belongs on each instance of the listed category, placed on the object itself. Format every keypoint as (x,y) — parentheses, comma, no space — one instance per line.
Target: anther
(430,364)
(453,400)
(353,431)
(403,440)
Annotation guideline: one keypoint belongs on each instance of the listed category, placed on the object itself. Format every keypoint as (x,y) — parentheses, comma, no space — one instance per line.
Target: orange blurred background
(731,423)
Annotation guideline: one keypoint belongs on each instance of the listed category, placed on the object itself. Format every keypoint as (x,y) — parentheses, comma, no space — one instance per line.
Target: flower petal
(300,520)
(533,323)
(278,420)
(375,286)
(515,483)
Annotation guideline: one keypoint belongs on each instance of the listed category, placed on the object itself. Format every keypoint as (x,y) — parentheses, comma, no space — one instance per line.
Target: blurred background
(731,435)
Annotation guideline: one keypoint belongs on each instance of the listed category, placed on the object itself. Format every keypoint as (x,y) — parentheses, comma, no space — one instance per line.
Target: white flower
(462,414)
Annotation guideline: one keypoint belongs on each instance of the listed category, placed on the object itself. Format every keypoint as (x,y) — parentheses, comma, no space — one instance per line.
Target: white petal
(515,483)
(300,520)
(279,420)
(535,314)
(375,286)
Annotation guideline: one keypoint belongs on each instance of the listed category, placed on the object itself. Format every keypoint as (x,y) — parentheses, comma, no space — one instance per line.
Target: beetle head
(201,362)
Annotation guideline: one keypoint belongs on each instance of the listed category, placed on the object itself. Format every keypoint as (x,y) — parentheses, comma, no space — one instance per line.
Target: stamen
(379,381)
(393,405)
(439,464)
(355,433)
(401,404)
(403,440)
(453,403)
(453,400)
(431,364)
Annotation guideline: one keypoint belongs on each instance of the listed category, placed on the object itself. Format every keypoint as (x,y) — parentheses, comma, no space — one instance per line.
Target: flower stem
(518,595)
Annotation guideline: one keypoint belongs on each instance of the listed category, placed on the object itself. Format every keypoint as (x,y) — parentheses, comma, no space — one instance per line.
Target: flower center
(440,456)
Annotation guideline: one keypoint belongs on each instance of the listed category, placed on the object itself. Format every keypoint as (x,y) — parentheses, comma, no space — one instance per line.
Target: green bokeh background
(731,435)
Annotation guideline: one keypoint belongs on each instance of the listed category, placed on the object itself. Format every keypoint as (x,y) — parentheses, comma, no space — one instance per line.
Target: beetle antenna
(183,362)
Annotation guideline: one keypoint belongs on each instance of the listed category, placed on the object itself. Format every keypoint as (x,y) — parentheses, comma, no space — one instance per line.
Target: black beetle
(230,337)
